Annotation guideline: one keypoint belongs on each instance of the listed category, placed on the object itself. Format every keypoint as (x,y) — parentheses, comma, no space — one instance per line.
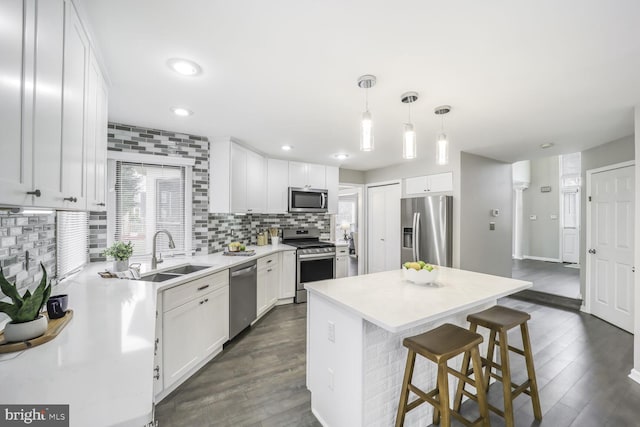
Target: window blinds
(149,198)
(72,241)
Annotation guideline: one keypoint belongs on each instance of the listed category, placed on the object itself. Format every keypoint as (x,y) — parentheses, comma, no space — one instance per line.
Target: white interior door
(611,246)
(383,213)
(571,226)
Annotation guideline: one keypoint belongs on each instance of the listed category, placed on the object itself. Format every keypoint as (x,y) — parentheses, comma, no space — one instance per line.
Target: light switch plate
(331,331)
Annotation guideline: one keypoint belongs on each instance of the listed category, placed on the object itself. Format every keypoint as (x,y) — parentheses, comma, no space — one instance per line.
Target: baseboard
(583,308)
(635,375)
(541,258)
(516,257)
(318,417)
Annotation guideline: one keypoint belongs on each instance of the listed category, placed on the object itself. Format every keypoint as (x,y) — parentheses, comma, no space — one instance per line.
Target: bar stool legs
(439,346)
(499,320)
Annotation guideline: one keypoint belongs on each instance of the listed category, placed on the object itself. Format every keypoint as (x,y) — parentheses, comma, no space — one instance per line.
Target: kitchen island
(355,328)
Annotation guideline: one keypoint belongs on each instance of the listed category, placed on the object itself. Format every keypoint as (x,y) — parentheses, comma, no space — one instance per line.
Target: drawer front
(186,292)
(342,250)
(268,261)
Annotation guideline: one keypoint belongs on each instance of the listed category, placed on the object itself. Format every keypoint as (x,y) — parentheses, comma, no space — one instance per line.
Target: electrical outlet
(331,331)
(330,379)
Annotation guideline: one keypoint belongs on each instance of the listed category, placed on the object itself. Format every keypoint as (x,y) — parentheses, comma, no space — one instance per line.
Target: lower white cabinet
(195,324)
(268,283)
(342,261)
(288,275)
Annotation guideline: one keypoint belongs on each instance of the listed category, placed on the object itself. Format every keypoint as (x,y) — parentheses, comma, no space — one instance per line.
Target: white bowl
(420,276)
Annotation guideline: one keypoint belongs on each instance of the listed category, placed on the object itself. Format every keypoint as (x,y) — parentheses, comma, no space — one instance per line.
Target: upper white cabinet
(45,55)
(96,138)
(277,186)
(15,161)
(308,175)
(429,183)
(332,180)
(238,181)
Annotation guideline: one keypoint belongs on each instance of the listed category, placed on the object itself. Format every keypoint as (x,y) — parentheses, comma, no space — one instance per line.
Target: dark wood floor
(549,277)
(582,365)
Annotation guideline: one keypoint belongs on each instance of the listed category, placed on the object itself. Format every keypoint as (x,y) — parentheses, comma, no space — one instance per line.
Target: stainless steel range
(316,260)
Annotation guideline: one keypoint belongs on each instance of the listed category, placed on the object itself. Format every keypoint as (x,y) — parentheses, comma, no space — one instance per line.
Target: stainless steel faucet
(172,245)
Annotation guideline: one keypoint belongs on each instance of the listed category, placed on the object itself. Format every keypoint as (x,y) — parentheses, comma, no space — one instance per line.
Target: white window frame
(117,156)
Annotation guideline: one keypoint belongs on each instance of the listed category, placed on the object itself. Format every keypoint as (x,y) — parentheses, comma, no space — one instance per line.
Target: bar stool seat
(499,320)
(439,345)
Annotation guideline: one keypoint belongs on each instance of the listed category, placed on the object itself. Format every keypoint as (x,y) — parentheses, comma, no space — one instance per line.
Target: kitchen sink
(159,277)
(186,269)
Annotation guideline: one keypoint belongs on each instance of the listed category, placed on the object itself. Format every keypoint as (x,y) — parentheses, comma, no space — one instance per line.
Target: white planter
(16,332)
(120,265)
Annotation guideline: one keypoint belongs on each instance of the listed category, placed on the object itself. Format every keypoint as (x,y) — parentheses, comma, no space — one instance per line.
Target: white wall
(351,176)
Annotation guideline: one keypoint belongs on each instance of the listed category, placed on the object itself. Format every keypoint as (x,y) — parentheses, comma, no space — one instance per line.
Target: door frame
(586,306)
(365,205)
(362,227)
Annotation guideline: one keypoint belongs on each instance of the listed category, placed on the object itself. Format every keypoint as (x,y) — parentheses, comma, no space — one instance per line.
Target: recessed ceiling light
(286,147)
(546,145)
(182,112)
(184,66)
(341,156)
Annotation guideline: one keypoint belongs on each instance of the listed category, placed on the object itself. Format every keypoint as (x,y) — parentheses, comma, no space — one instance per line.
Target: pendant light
(442,142)
(366,125)
(409,133)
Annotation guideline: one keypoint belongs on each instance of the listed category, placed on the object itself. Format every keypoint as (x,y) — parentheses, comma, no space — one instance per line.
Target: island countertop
(394,304)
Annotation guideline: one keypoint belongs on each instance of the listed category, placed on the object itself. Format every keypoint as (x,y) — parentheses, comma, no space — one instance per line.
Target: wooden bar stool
(439,345)
(499,320)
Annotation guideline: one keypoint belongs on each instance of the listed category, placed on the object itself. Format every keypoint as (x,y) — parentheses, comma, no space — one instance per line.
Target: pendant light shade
(409,147)
(366,132)
(366,125)
(409,142)
(442,142)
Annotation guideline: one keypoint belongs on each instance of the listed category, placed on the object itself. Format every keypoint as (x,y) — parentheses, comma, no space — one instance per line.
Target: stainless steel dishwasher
(242,297)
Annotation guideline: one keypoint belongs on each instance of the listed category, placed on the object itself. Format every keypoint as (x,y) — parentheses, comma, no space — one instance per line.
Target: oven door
(311,268)
(307,200)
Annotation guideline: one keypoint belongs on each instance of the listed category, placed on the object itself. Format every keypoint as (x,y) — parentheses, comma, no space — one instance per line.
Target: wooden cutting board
(54,328)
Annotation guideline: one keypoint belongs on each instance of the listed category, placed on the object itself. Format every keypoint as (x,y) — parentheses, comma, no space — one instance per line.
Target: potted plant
(26,321)
(120,252)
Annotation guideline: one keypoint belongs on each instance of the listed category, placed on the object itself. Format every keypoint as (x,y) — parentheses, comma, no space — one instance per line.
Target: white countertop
(390,302)
(101,364)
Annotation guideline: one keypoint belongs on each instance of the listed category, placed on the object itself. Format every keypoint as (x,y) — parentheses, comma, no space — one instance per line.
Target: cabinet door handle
(269,261)
(269,270)
(157,372)
(201,302)
(206,300)
(36,193)
(70,199)
(201,288)
(100,204)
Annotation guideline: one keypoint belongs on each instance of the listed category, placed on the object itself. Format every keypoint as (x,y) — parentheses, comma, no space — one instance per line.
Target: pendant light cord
(366,99)
(410,112)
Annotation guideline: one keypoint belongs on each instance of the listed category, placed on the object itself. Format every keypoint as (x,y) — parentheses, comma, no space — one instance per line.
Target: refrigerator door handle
(416,241)
(413,237)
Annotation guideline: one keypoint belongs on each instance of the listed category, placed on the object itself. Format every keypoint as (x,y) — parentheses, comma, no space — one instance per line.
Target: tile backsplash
(21,233)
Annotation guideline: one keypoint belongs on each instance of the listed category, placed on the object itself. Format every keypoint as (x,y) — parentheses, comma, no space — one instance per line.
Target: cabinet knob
(70,199)
(36,193)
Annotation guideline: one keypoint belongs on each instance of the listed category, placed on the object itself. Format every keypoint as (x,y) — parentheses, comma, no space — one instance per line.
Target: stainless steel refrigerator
(426,230)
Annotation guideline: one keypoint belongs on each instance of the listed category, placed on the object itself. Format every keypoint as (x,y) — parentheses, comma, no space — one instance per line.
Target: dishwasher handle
(244,271)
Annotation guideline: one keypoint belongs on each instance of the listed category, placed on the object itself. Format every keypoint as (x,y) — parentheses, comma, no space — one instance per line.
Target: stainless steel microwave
(307,200)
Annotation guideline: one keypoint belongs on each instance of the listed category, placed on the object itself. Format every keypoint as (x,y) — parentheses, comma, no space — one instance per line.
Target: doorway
(610,243)
(348,225)
(383,227)
(546,228)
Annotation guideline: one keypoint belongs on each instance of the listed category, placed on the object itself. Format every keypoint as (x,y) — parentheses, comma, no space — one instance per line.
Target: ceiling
(517,74)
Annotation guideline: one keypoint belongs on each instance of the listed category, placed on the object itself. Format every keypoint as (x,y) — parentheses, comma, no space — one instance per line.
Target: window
(72,237)
(347,214)
(145,198)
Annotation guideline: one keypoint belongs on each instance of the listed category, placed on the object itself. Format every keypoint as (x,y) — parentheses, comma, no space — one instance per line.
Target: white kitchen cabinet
(76,61)
(332,180)
(15,161)
(287,275)
(307,175)
(342,261)
(429,184)
(277,186)
(237,179)
(158,385)
(201,308)
(96,138)
(268,283)
(47,113)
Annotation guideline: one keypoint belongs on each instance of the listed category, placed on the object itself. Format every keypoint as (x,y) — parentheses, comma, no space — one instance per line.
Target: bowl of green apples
(419,272)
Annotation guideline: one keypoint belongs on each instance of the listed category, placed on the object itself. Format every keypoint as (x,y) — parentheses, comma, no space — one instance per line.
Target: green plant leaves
(10,290)
(27,307)
(10,309)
